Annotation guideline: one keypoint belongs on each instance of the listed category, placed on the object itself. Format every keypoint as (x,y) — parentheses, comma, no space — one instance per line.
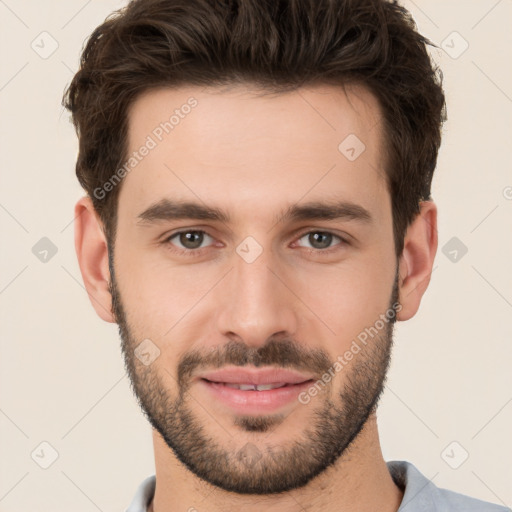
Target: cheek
(348,299)
(157,296)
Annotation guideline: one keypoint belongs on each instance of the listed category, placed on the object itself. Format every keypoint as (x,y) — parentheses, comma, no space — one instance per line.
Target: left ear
(417,259)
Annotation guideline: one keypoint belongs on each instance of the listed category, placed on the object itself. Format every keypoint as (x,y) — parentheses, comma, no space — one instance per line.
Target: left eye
(320,239)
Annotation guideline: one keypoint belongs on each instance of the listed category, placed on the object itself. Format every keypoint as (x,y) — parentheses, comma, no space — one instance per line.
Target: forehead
(251,148)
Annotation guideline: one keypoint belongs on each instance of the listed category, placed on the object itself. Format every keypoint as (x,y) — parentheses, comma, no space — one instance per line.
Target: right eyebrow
(165,209)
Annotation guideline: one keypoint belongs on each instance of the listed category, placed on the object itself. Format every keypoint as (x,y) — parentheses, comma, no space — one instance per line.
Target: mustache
(281,353)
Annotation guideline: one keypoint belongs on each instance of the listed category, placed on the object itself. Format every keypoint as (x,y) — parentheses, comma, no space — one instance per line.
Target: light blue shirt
(420,494)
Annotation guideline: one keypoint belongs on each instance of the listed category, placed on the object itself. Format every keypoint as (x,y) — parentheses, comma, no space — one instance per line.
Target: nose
(256,303)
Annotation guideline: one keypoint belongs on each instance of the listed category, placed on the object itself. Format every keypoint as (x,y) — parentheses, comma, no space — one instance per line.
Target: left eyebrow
(316,210)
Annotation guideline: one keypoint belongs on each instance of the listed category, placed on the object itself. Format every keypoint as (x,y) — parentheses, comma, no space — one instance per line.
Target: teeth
(243,387)
(254,387)
(266,387)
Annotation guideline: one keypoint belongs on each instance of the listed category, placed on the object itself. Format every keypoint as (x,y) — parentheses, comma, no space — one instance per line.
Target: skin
(254,156)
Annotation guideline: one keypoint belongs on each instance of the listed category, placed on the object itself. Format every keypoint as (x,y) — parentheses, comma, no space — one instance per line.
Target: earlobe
(417,259)
(92,253)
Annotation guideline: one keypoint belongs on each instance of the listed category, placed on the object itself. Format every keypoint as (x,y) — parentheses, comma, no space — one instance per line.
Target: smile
(253,391)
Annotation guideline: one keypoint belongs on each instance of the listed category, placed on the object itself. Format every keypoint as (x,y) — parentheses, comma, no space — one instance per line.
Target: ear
(417,259)
(92,252)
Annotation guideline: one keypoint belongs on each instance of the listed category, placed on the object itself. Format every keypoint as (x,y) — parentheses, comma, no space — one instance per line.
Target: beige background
(61,374)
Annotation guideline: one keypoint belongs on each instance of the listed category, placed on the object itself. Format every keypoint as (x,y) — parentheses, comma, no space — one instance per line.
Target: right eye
(189,240)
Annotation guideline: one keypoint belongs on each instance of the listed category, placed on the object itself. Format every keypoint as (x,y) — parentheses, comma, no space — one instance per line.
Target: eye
(319,240)
(190,239)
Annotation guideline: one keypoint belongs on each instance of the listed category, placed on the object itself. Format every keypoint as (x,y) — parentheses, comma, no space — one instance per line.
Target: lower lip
(255,402)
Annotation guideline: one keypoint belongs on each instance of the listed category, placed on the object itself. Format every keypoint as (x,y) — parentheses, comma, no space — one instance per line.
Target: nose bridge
(257,305)
(255,283)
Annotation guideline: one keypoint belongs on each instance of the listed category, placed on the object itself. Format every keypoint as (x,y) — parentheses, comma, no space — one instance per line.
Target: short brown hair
(278,45)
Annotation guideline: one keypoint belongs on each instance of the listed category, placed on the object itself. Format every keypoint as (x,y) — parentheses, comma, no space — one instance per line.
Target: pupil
(191,239)
(320,240)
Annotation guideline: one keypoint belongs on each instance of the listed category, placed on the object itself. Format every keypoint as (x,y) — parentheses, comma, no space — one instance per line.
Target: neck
(358,481)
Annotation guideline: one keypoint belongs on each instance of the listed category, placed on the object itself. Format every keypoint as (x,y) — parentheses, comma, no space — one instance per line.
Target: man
(258,217)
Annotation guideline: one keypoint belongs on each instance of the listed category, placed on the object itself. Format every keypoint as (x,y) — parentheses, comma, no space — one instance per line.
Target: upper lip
(255,376)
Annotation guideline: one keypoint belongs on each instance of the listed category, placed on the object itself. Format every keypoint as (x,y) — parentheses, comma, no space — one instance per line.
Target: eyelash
(199,252)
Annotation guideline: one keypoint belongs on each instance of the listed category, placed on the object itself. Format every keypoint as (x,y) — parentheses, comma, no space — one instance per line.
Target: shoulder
(422,495)
(458,501)
(143,496)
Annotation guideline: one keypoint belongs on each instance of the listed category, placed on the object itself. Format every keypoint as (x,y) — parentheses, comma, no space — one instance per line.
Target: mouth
(254,391)
(253,387)
(256,377)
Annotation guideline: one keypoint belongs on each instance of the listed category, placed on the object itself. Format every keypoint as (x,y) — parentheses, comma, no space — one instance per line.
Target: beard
(336,420)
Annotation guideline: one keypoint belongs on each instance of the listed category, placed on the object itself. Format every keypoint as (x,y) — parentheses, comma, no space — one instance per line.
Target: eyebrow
(166,209)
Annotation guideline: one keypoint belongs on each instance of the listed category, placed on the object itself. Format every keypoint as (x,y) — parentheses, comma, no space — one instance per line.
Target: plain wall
(62,379)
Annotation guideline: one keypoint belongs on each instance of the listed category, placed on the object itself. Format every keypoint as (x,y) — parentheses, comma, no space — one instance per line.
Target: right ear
(92,252)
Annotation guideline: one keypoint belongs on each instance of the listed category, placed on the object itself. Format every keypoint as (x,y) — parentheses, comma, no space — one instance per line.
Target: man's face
(273,282)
